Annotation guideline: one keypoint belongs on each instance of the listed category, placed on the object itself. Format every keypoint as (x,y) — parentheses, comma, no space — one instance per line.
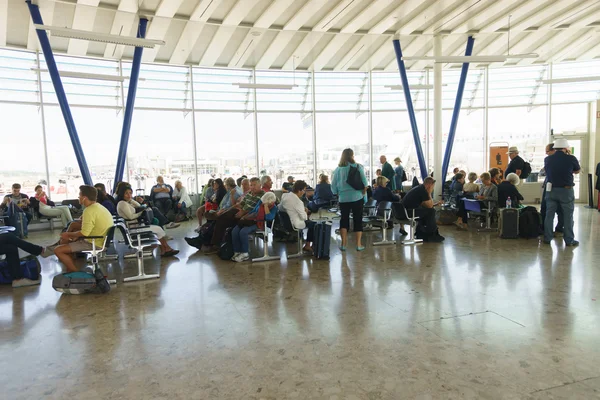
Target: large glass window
(17,81)
(337,131)
(225,145)
(341,91)
(285,147)
(161,143)
(22,160)
(574,92)
(570,118)
(512,86)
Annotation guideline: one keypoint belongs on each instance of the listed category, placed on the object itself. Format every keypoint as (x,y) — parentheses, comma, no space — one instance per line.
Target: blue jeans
(560,226)
(565,199)
(240,237)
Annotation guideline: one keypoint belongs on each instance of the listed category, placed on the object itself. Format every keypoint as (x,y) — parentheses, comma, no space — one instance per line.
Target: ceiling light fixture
(85,75)
(276,86)
(100,37)
(570,80)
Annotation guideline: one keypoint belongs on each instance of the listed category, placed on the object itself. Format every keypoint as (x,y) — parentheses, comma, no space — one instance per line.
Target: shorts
(80,245)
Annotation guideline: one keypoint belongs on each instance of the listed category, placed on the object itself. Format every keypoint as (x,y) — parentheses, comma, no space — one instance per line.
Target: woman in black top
(508,188)
(219,190)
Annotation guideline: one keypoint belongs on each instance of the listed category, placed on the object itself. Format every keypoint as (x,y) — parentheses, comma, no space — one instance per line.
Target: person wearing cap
(560,168)
(516,163)
(287,186)
(419,199)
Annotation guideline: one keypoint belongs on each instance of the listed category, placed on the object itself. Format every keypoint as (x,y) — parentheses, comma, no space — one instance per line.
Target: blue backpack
(30,267)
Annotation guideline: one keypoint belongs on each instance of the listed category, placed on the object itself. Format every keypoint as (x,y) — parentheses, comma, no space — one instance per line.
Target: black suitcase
(509,223)
(322,240)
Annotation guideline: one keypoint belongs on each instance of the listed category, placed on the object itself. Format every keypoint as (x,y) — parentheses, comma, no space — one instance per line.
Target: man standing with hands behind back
(387,171)
(560,168)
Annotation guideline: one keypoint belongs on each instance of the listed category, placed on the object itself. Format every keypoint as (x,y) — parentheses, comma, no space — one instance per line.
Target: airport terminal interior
(189,92)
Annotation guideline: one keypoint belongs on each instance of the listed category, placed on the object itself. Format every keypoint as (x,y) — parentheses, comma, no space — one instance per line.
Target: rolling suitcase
(509,223)
(322,240)
(81,282)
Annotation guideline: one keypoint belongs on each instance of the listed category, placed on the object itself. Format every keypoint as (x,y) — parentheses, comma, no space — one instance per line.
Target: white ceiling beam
(246,48)
(3,21)
(543,13)
(408,7)
(418,47)
(494,11)
(123,24)
(339,39)
(587,18)
(226,31)
(275,49)
(47,11)
(523,9)
(193,28)
(384,52)
(159,25)
(303,50)
(560,43)
(363,45)
(576,43)
(426,16)
(463,7)
(303,15)
(85,14)
(366,15)
(562,17)
(273,12)
(332,17)
(591,53)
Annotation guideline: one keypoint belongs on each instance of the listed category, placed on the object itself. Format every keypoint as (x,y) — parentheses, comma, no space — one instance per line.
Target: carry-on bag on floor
(226,248)
(509,223)
(30,267)
(530,223)
(81,282)
(18,219)
(322,240)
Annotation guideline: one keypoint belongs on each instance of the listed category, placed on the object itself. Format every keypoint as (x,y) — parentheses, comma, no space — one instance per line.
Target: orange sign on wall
(498,157)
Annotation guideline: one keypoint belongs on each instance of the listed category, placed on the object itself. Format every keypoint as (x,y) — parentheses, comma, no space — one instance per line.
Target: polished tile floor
(476,317)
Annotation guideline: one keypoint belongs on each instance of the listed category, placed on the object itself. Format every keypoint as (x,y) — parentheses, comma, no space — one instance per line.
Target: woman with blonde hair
(350,184)
(323,194)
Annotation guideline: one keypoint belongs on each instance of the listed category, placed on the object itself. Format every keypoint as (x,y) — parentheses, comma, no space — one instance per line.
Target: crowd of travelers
(234,209)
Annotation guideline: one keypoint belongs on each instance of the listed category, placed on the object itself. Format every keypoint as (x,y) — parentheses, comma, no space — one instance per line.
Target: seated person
(96,221)
(266,183)
(126,208)
(382,192)
(457,188)
(49,209)
(419,199)
(323,194)
(18,200)
(9,246)
(245,186)
(471,186)
(240,179)
(496,176)
(488,193)
(105,200)
(163,222)
(232,196)
(508,189)
(287,186)
(292,204)
(212,200)
(230,217)
(265,210)
(181,198)
(102,189)
(161,195)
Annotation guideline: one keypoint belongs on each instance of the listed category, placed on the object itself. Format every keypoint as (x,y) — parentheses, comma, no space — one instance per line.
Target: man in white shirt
(292,204)
(182,199)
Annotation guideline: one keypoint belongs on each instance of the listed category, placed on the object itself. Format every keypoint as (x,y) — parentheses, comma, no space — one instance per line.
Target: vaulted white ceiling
(316,35)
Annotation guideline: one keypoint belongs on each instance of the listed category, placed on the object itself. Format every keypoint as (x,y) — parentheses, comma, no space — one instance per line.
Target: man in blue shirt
(560,168)
(558,230)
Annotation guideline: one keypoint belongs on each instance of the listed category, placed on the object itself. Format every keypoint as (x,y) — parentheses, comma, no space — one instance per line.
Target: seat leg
(384,240)
(300,253)
(411,234)
(266,256)
(141,270)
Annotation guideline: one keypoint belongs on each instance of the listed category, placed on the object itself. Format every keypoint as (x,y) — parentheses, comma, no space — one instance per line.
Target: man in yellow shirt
(96,220)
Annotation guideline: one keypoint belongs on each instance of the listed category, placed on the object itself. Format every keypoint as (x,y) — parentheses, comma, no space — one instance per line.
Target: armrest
(92,237)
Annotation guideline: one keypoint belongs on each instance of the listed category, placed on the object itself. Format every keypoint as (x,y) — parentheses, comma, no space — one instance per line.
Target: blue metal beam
(459,96)
(128,114)
(61,96)
(410,108)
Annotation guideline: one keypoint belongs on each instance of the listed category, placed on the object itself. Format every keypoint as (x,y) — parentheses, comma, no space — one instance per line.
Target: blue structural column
(127,116)
(459,96)
(411,110)
(61,96)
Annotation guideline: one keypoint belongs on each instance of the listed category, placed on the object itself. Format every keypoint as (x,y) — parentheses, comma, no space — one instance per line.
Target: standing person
(560,226)
(49,209)
(181,198)
(419,199)
(350,198)
(516,163)
(398,174)
(560,168)
(387,171)
(162,195)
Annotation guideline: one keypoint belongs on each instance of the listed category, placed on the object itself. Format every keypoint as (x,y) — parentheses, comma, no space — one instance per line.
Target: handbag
(354,179)
(209,206)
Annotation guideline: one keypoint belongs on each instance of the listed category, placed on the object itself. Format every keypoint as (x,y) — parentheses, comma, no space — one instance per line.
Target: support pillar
(410,108)
(459,96)
(128,114)
(61,96)
(437,118)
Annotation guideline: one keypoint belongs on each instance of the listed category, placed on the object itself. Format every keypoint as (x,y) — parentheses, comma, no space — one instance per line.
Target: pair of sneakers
(25,282)
(240,257)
